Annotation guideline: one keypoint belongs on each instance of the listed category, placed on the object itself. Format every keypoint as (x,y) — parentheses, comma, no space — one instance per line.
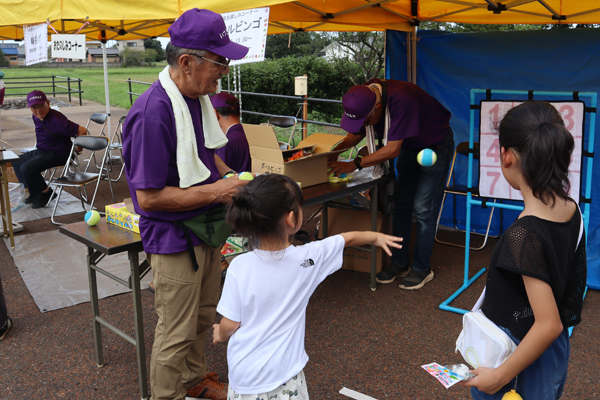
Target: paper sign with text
(68,46)
(36,43)
(248,28)
(491,181)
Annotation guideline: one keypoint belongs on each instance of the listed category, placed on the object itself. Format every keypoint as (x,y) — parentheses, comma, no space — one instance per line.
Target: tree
(366,49)
(295,44)
(154,44)
(132,57)
(3,60)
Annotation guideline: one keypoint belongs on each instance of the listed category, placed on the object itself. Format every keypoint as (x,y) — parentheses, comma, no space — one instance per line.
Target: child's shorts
(544,379)
(294,389)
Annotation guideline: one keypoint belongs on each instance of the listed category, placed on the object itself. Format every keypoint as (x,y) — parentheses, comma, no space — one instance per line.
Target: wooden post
(305,116)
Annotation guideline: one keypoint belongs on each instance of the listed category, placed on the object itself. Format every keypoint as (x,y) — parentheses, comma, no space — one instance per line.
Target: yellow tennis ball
(426,157)
(246,176)
(512,395)
(92,217)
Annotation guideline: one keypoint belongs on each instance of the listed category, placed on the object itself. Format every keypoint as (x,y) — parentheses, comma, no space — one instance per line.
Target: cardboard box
(345,220)
(267,157)
(119,214)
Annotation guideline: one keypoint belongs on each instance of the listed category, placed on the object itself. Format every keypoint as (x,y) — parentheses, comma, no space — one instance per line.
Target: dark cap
(224,99)
(36,97)
(205,30)
(358,102)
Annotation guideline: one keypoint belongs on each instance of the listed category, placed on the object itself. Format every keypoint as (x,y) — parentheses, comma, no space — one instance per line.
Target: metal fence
(59,85)
(300,98)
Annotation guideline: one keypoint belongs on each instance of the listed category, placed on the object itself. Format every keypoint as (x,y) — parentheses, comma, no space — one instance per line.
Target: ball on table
(92,217)
(426,157)
(246,176)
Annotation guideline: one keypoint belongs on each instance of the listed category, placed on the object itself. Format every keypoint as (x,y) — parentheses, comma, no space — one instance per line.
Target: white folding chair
(116,149)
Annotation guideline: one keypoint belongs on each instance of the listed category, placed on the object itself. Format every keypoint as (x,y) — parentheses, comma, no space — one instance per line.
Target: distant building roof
(8,46)
(10,51)
(111,51)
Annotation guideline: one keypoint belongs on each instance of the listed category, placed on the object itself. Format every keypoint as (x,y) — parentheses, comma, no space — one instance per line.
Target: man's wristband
(357,162)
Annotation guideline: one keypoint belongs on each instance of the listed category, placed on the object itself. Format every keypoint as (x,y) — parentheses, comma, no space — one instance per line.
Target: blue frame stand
(587,165)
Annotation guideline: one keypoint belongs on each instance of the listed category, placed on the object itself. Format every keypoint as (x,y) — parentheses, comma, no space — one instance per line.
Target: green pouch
(210,226)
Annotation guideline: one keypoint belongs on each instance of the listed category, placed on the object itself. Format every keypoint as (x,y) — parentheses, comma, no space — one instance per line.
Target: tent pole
(239,81)
(408,57)
(413,57)
(106,94)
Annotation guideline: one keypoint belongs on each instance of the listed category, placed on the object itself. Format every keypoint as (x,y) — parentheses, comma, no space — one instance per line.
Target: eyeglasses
(224,65)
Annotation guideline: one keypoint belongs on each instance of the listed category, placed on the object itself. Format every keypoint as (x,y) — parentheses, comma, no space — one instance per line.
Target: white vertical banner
(36,43)
(491,181)
(248,28)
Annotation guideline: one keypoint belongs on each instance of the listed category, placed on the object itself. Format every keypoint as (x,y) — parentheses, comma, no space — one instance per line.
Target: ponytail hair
(537,133)
(258,209)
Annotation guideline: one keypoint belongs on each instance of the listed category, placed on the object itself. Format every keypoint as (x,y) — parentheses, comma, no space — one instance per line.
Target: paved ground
(371,342)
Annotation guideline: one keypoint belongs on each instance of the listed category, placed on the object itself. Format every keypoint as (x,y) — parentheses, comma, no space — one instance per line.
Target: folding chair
(285,122)
(116,147)
(99,119)
(78,179)
(456,189)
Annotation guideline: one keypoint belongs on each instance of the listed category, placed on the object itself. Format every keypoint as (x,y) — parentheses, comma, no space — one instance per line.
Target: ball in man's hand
(426,157)
(246,176)
(92,217)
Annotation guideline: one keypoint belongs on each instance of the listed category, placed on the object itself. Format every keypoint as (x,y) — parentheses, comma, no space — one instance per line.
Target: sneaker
(43,199)
(416,279)
(4,330)
(209,388)
(392,272)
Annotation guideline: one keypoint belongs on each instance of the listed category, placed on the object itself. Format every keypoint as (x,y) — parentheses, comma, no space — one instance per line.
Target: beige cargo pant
(186,303)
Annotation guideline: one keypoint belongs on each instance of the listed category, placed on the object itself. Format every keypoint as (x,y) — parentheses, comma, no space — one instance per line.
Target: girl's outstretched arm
(546,328)
(384,241)
(223,331)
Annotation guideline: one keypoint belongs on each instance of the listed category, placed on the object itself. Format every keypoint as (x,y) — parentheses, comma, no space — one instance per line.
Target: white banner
(68,46)
(248,28)
(491,181)
(36,43)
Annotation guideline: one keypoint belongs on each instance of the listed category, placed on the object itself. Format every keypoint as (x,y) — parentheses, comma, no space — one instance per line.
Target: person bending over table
(53,133)
(405,119)
(169,142)
(236,153)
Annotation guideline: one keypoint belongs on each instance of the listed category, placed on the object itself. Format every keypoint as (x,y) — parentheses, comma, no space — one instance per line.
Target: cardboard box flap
(263,143)
(324,141)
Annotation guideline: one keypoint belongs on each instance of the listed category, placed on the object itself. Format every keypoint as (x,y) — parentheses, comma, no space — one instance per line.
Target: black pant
(30,166)
(3,311)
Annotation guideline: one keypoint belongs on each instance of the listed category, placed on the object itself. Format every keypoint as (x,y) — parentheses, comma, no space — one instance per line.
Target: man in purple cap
(236,153)
(169,142)
(53,132)
(400,119)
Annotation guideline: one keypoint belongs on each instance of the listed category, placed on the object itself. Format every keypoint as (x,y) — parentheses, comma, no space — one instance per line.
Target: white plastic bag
(17,195)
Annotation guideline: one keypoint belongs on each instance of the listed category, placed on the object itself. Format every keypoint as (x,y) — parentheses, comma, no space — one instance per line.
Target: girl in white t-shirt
(266,291)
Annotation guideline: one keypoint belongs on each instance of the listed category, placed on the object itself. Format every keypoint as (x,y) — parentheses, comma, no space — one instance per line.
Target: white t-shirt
(268,293)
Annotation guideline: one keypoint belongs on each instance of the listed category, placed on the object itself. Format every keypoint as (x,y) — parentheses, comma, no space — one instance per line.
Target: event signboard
(68,46)
(249,28)
(36,43)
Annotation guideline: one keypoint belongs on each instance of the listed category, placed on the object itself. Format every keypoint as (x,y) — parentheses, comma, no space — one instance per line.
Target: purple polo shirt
(59,141)
(415,116)
(149,151)
(236,153)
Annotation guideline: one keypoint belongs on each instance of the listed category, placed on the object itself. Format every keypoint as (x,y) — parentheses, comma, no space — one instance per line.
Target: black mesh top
(544,250)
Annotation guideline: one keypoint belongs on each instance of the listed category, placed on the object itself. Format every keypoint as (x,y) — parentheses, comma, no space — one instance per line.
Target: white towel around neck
(189,166)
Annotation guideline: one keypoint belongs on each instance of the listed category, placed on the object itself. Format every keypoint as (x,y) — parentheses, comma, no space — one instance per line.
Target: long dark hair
(257,210)
(536,132)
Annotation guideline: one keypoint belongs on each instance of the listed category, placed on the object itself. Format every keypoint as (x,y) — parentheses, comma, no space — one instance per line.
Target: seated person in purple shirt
(53,132)
(236,153)
(400,119)
(169,142)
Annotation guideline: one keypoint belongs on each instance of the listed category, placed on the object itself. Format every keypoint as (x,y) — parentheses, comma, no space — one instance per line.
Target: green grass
(92,83)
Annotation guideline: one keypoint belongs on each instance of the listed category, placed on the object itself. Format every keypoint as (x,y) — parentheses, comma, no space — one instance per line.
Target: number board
(491,181)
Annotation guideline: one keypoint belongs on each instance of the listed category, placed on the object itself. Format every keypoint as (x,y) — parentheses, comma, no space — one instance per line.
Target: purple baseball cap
(205,30)
(358,102)
(36,97)
(220,100)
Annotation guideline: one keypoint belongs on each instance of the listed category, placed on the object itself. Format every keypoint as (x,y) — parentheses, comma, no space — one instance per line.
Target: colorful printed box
(117,214)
